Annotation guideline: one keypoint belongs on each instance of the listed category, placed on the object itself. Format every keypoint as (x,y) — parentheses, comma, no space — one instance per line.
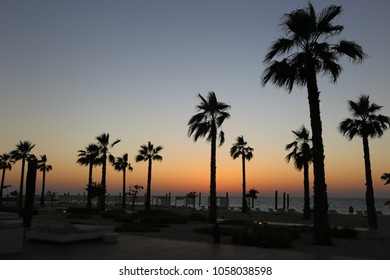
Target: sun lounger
(63,232)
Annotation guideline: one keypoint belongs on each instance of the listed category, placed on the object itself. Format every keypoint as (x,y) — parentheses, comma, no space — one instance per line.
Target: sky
(71,70)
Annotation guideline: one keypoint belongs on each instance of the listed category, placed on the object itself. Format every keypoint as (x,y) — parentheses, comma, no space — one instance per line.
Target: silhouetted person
(350,210)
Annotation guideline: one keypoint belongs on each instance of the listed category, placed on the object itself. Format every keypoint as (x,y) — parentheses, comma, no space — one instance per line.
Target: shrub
(264,236)
(345,233)
(196,217)
(110,214)
(86,211)
(162,216)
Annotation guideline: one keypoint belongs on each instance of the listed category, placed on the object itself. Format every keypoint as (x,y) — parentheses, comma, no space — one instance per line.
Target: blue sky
(71,70)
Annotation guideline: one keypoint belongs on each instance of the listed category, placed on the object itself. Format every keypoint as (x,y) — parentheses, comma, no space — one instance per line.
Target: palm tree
(366,123)
(122,164)
(302,155)
(42,166)
(386,178)
(104,145)
(252,194)
(238,149)
(149,153)
(211,114)
(22,152)
(89,157)
(308,50)
(6,162)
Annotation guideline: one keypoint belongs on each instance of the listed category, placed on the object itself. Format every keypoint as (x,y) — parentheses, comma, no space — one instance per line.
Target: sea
(341,205)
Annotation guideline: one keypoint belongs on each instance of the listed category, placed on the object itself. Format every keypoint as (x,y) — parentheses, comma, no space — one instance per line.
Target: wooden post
(284,201)
(276,200)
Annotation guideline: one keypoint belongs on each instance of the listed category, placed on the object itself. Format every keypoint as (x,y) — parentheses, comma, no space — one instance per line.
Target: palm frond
(352,50)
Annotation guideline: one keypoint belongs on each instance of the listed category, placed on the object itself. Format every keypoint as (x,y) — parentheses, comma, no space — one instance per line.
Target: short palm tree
(89,157)
(43,167)
(22,152)
(366,123)
(252,194)
(240,149)
(149,153)
(308,48)
(211,115)
(122,164)
(6,162)
(104,146)
(386,178)
(301,153)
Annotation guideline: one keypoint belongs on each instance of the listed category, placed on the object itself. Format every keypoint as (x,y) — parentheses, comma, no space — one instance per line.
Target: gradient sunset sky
(71,70)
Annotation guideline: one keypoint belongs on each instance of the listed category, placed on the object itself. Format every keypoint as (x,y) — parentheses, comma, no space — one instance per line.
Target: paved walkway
(131,247)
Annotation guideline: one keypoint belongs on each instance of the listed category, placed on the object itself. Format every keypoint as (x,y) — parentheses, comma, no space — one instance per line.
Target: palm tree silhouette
(302,155)
(240,149)
(149,153)
(89,157)
(386,178)
(104,146)
(366,123)
(309,50)
(6,162)
(211,114)
(43,167)
(22,152)
(122,164)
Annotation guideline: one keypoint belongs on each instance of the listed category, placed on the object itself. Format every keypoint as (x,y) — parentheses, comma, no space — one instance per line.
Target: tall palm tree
(6,162)
(308,48)
(22,152)
(43,167)
(104,146)
(366,123)
(302,155)
(122,164)
(89,157)
(211,115)
(386,178)
(149,153)
(240,149)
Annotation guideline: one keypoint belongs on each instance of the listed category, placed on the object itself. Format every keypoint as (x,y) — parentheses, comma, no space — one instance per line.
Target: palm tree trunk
(124,189)
(213,181)
(244,204)
(370,201)
(102,197)
(42,202)
(2,185)
(306,190)
(148,187)
(20,198)
(89,197)
(320,221)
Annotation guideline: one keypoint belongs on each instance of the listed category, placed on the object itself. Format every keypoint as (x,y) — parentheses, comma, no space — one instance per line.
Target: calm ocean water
(341,205)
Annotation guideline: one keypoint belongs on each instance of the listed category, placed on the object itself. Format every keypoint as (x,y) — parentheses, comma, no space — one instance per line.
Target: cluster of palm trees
(98,153)
(365,123)
(307,49)
(23,153)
